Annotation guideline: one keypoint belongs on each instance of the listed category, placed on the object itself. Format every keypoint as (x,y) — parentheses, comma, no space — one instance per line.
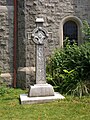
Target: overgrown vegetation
(68,69)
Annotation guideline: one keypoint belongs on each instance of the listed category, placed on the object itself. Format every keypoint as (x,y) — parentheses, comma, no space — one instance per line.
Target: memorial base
(24,99)
(40,90)
(40,93)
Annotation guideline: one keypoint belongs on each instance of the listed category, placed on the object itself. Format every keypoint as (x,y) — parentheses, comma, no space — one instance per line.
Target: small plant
(3,89)
(81,89)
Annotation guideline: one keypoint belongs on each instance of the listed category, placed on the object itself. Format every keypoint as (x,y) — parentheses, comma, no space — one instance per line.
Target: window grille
(70,30)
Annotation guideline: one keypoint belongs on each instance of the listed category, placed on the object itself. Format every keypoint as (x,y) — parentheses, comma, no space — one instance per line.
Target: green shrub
(68,69)
(86,31)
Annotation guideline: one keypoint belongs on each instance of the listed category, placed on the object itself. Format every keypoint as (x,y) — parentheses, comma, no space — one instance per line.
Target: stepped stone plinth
(41,90)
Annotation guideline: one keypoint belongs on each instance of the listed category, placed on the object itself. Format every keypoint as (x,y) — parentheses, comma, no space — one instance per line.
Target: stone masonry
(53,12)
(6,40)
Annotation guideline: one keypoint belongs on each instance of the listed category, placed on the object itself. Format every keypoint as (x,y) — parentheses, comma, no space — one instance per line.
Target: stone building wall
(53,12)
(6,40)
(25,70)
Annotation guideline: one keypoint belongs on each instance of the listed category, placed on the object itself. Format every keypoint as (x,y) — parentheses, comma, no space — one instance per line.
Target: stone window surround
(79,24)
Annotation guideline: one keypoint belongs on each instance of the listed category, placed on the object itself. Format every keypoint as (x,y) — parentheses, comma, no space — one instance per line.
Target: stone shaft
(40,65)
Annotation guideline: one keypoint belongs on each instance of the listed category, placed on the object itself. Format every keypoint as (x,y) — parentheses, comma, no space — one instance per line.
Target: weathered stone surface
(39,38)
(7,78)
(40,65)
(53,12)
(6,41)
(32,100)
(39,90)
(26,77)
(6,2)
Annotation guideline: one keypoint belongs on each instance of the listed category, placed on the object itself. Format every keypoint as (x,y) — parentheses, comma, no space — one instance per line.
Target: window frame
(79,25)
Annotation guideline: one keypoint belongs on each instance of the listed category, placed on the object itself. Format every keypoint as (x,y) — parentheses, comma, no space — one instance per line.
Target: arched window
(70,30)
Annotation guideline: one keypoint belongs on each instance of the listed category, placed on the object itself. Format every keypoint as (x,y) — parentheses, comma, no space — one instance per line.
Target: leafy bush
(68,69)
(86,31)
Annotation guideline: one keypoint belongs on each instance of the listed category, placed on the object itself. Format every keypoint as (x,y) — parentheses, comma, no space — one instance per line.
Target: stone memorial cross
(41,88)
(39,36)
(41,91)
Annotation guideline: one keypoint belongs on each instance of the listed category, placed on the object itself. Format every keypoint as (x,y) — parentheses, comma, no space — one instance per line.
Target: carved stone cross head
(39,35)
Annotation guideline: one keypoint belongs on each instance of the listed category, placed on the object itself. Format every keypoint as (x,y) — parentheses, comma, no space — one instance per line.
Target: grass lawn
(67,109)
